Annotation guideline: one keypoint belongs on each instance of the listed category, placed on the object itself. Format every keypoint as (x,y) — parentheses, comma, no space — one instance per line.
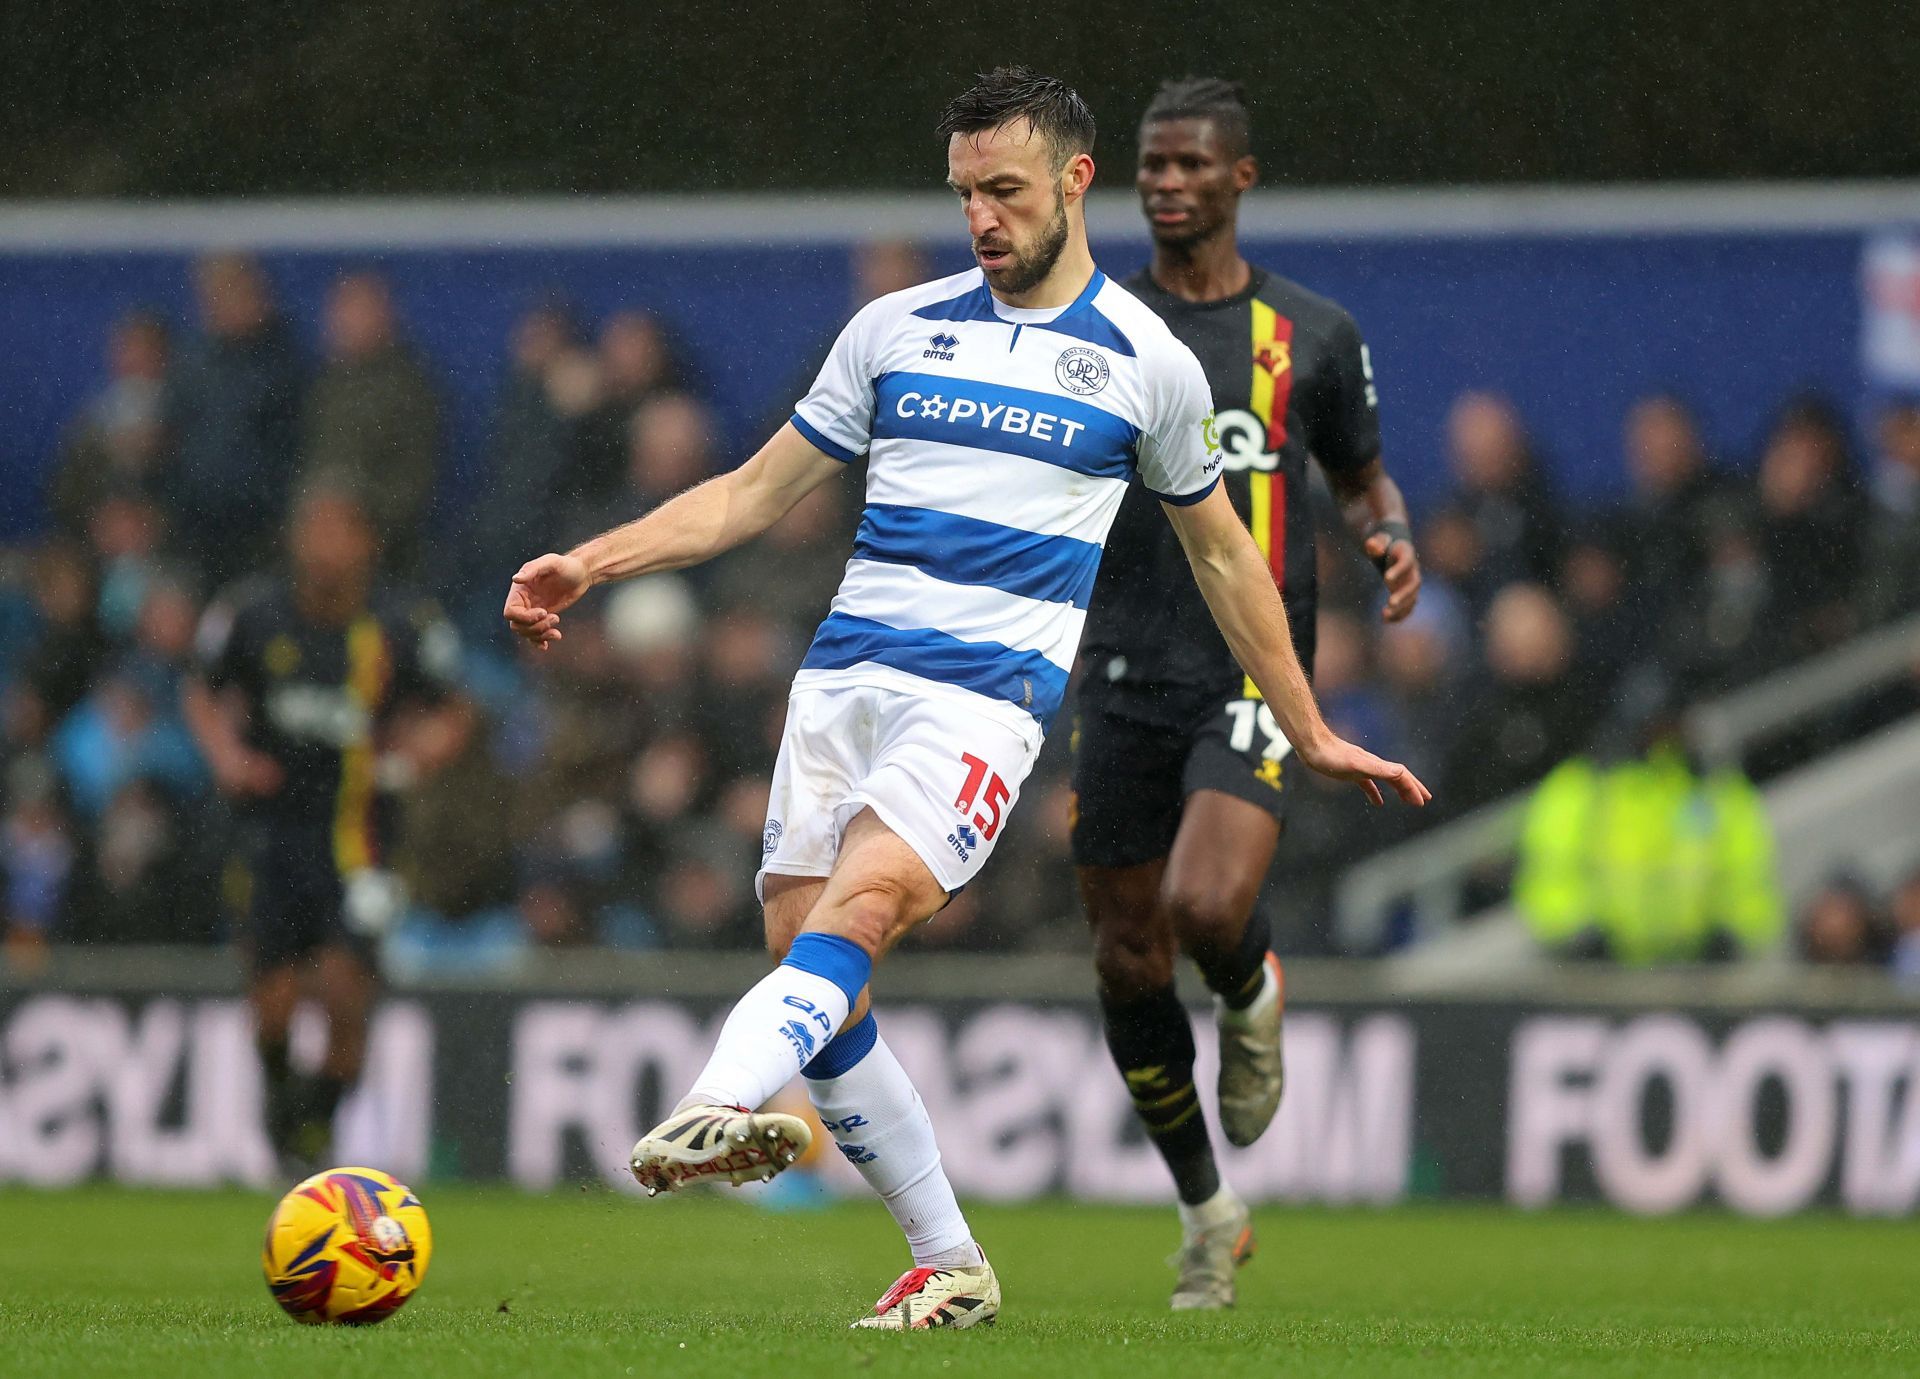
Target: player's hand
(248,774)
(542,590)
(1400,568)
(1342,760)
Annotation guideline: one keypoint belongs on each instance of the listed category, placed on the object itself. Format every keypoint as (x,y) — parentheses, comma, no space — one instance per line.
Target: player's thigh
(817,767)
(945,781)
(1126,789)
(786,902)
(294,897)
(1235,782)
(880,887)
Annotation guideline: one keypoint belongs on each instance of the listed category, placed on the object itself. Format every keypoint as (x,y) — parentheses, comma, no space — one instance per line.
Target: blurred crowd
(617,795)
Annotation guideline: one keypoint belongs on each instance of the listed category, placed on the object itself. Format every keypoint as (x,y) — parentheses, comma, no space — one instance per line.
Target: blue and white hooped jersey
(1000,441)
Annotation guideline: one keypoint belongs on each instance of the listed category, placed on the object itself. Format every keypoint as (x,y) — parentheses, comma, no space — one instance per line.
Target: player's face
(1189,182)
(331,543)
(1015,202)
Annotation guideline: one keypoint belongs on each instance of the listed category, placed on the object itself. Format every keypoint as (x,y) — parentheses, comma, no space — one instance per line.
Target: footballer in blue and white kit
(1003,413)
(1000,442)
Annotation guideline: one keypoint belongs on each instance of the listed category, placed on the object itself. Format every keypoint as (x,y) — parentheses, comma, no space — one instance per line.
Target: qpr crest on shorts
(1081,370)
(770,838)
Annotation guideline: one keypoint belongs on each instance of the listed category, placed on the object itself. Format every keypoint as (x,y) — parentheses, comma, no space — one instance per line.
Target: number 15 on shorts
(990,798)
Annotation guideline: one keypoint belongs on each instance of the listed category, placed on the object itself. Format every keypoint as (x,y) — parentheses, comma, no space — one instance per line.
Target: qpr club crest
(1081,370)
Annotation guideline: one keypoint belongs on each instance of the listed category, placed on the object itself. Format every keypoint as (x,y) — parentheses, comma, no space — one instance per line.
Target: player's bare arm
(696,526)
(1375,512)
(213,716)
(1233,577)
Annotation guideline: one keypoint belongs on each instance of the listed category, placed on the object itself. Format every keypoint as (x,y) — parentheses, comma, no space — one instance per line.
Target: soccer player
(1180,754)
(1002,411)
(317,692)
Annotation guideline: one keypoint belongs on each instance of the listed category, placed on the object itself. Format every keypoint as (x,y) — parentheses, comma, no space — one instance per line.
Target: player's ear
(1246,172)
(1077,176)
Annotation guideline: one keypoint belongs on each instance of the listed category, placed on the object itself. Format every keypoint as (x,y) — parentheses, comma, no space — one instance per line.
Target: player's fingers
(1408,786)
(1374,797)
(1376,545)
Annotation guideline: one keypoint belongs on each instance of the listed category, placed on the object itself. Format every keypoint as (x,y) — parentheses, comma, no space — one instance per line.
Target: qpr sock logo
(1081,370)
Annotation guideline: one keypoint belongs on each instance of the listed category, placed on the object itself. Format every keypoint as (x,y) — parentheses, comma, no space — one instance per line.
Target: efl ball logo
(1081,370)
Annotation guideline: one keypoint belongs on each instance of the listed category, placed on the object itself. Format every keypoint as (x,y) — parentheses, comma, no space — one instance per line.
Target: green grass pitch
(108,1282)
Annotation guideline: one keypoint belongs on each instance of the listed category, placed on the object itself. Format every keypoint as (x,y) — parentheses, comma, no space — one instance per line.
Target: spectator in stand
(125,531)
(1647,861)
(670,447)
(637,363)
(119,443)
(1722,633)
(1499,488)
(1526,714)
(1905,913)
(809,546)
(238,410)
(1609,628)
(1422,660)
(373,416)
(141,878)
(36,863)
(1841,926)
(1676,499)
(528,452)
(1890,576)
(66,647)
(128,730)
(1812,520)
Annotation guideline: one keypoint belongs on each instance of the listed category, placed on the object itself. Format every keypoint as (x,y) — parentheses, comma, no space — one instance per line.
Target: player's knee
(1206,914)
(871,912)
(1131,961)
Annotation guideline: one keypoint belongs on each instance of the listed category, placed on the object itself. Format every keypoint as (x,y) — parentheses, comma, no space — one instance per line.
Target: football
(349,1245)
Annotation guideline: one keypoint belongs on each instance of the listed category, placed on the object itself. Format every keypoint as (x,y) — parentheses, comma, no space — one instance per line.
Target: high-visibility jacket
(1652,856)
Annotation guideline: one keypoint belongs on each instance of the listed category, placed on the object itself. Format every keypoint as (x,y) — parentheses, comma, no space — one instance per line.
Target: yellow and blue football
(349,1245)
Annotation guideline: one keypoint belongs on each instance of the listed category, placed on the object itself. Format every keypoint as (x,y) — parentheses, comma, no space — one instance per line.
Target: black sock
(1152,1042)
(325,1100)
(282,1106)
(1235,975)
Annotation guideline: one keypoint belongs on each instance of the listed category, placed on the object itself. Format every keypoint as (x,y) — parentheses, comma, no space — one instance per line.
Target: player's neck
(1072,271)
(331,605)
(1208,270)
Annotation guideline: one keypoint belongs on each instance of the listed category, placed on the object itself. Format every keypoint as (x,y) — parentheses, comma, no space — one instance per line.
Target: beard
(1031,265)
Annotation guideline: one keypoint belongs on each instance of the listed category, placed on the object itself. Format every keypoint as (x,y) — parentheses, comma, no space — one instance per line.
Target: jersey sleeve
(1344,431)
(836,415)
(224,645)
(1179,449)
(427,669)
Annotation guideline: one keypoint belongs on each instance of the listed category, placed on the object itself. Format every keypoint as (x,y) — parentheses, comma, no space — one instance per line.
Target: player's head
(331,537)
(1196,158)
(1020,157)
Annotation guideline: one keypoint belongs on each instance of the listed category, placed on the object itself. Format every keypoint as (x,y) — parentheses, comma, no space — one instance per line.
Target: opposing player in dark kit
(1180,770)
(318,695)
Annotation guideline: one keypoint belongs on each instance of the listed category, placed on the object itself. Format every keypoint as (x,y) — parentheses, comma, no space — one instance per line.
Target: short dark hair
(1206,98)
(1007,94)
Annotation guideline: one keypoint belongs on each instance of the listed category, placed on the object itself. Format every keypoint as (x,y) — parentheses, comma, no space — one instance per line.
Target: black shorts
(295,895)
(1133,771)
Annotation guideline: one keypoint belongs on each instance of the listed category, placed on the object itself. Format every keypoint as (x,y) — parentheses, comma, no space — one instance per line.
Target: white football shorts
(938,773)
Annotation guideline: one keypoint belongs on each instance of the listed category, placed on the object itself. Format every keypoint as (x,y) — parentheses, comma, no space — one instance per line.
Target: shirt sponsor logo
(999,416)
(1081,370)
